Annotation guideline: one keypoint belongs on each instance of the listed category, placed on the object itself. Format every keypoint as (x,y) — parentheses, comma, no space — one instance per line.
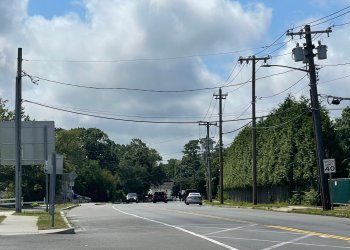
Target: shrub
(312,197)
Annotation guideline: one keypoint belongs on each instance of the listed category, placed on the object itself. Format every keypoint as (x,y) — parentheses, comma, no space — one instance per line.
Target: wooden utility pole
(254,170)
(221,96)
(207,155)
(315,108)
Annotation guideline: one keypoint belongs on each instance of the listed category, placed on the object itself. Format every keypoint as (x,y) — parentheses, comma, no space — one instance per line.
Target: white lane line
(230,229)
(275,241)
(287,242)
(178,228)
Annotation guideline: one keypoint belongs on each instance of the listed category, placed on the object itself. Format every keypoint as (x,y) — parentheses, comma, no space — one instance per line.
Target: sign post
(329,167)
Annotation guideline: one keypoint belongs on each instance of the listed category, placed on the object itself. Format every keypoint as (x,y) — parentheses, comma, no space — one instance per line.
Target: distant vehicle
(132,197)
(159,196)
(187,192)
(194,198)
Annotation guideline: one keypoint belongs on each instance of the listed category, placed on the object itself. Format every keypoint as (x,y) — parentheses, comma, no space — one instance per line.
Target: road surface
(174,225)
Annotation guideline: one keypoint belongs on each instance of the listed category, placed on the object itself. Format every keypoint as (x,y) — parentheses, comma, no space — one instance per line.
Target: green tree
(193,167)
(286,152)
(84,152)
(139,167)
(5,113)
(342,127)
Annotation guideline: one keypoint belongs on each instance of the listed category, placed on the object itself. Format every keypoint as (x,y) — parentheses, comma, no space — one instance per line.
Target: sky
(148,69)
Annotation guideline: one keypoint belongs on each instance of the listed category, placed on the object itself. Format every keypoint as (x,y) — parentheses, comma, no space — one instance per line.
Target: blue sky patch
(51,8)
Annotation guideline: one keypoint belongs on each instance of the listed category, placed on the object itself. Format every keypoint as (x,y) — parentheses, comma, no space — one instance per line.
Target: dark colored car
(132,197)
(159,196)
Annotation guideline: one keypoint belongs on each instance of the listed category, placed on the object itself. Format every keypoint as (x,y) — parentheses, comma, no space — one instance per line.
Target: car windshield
(132,195)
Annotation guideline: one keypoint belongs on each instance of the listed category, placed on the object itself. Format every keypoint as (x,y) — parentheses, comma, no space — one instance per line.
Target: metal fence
(12,202)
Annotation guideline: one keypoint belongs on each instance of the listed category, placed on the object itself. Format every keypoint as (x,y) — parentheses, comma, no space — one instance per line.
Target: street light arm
(284,66)
(336,99)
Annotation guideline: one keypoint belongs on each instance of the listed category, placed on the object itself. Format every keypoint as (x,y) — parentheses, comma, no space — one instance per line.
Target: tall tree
(193,167)
(342,126)
(84,151)
(139,167)
(286,149)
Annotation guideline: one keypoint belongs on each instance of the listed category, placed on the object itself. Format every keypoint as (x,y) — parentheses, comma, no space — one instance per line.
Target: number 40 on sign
(329,166)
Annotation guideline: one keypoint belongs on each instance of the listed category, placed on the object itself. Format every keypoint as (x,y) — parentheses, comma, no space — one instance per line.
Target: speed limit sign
(329,166)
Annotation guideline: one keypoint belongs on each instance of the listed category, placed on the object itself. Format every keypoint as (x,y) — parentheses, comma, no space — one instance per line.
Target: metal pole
(18,130)
(46,173)
(220,150)
(317,120)
(255,197)
(53,189)
(330,190)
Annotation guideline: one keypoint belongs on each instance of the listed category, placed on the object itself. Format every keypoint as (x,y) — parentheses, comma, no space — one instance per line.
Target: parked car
(159,196)
(132,197)
(194,198)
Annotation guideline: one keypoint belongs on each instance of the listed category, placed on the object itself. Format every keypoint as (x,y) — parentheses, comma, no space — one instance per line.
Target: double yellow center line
(323,235)
(295,230)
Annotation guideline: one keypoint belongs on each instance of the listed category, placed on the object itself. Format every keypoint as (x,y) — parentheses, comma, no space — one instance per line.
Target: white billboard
(32,139)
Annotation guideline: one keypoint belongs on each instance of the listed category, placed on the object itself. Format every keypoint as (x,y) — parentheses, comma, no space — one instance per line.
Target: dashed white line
(178,228)
(288,242)
(229,229)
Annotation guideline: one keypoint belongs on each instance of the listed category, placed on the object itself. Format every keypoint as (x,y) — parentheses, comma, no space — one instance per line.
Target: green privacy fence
(340,190)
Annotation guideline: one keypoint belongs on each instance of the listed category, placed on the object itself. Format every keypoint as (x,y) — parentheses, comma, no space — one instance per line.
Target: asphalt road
(176,226)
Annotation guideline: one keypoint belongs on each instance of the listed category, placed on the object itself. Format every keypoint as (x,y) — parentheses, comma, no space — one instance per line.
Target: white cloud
(116,30)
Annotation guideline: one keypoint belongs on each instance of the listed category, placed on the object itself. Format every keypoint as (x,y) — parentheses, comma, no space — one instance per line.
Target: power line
(332,18)
(335,79)
(341,24)
(272,44)
(149,59)
(123,88)
(245,125)
(34,78)
(111,118)
(333,65)
(284,123)
(264,97)
(127,120)
(317,20)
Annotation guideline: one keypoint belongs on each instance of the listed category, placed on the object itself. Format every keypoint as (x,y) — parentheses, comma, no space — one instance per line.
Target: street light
(284,66)
(336,99)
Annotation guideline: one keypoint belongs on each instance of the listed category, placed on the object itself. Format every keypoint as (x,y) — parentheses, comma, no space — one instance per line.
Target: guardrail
(12,202)
(8,202)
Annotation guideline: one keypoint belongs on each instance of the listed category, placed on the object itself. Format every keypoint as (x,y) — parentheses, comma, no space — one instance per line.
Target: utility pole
(18,130)
(221,96)
(208,124)
(315,108)
(254,171)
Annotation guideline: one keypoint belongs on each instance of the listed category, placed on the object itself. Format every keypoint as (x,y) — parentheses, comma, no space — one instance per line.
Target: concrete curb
(69,230)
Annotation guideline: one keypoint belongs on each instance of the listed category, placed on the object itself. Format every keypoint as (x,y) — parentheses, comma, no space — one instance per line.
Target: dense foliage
(107,170)
(286,152)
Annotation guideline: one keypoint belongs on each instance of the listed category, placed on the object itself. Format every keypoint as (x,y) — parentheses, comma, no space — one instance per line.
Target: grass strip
(342,211)
(337,212)
(45,219)
(247,204)
(2,217)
